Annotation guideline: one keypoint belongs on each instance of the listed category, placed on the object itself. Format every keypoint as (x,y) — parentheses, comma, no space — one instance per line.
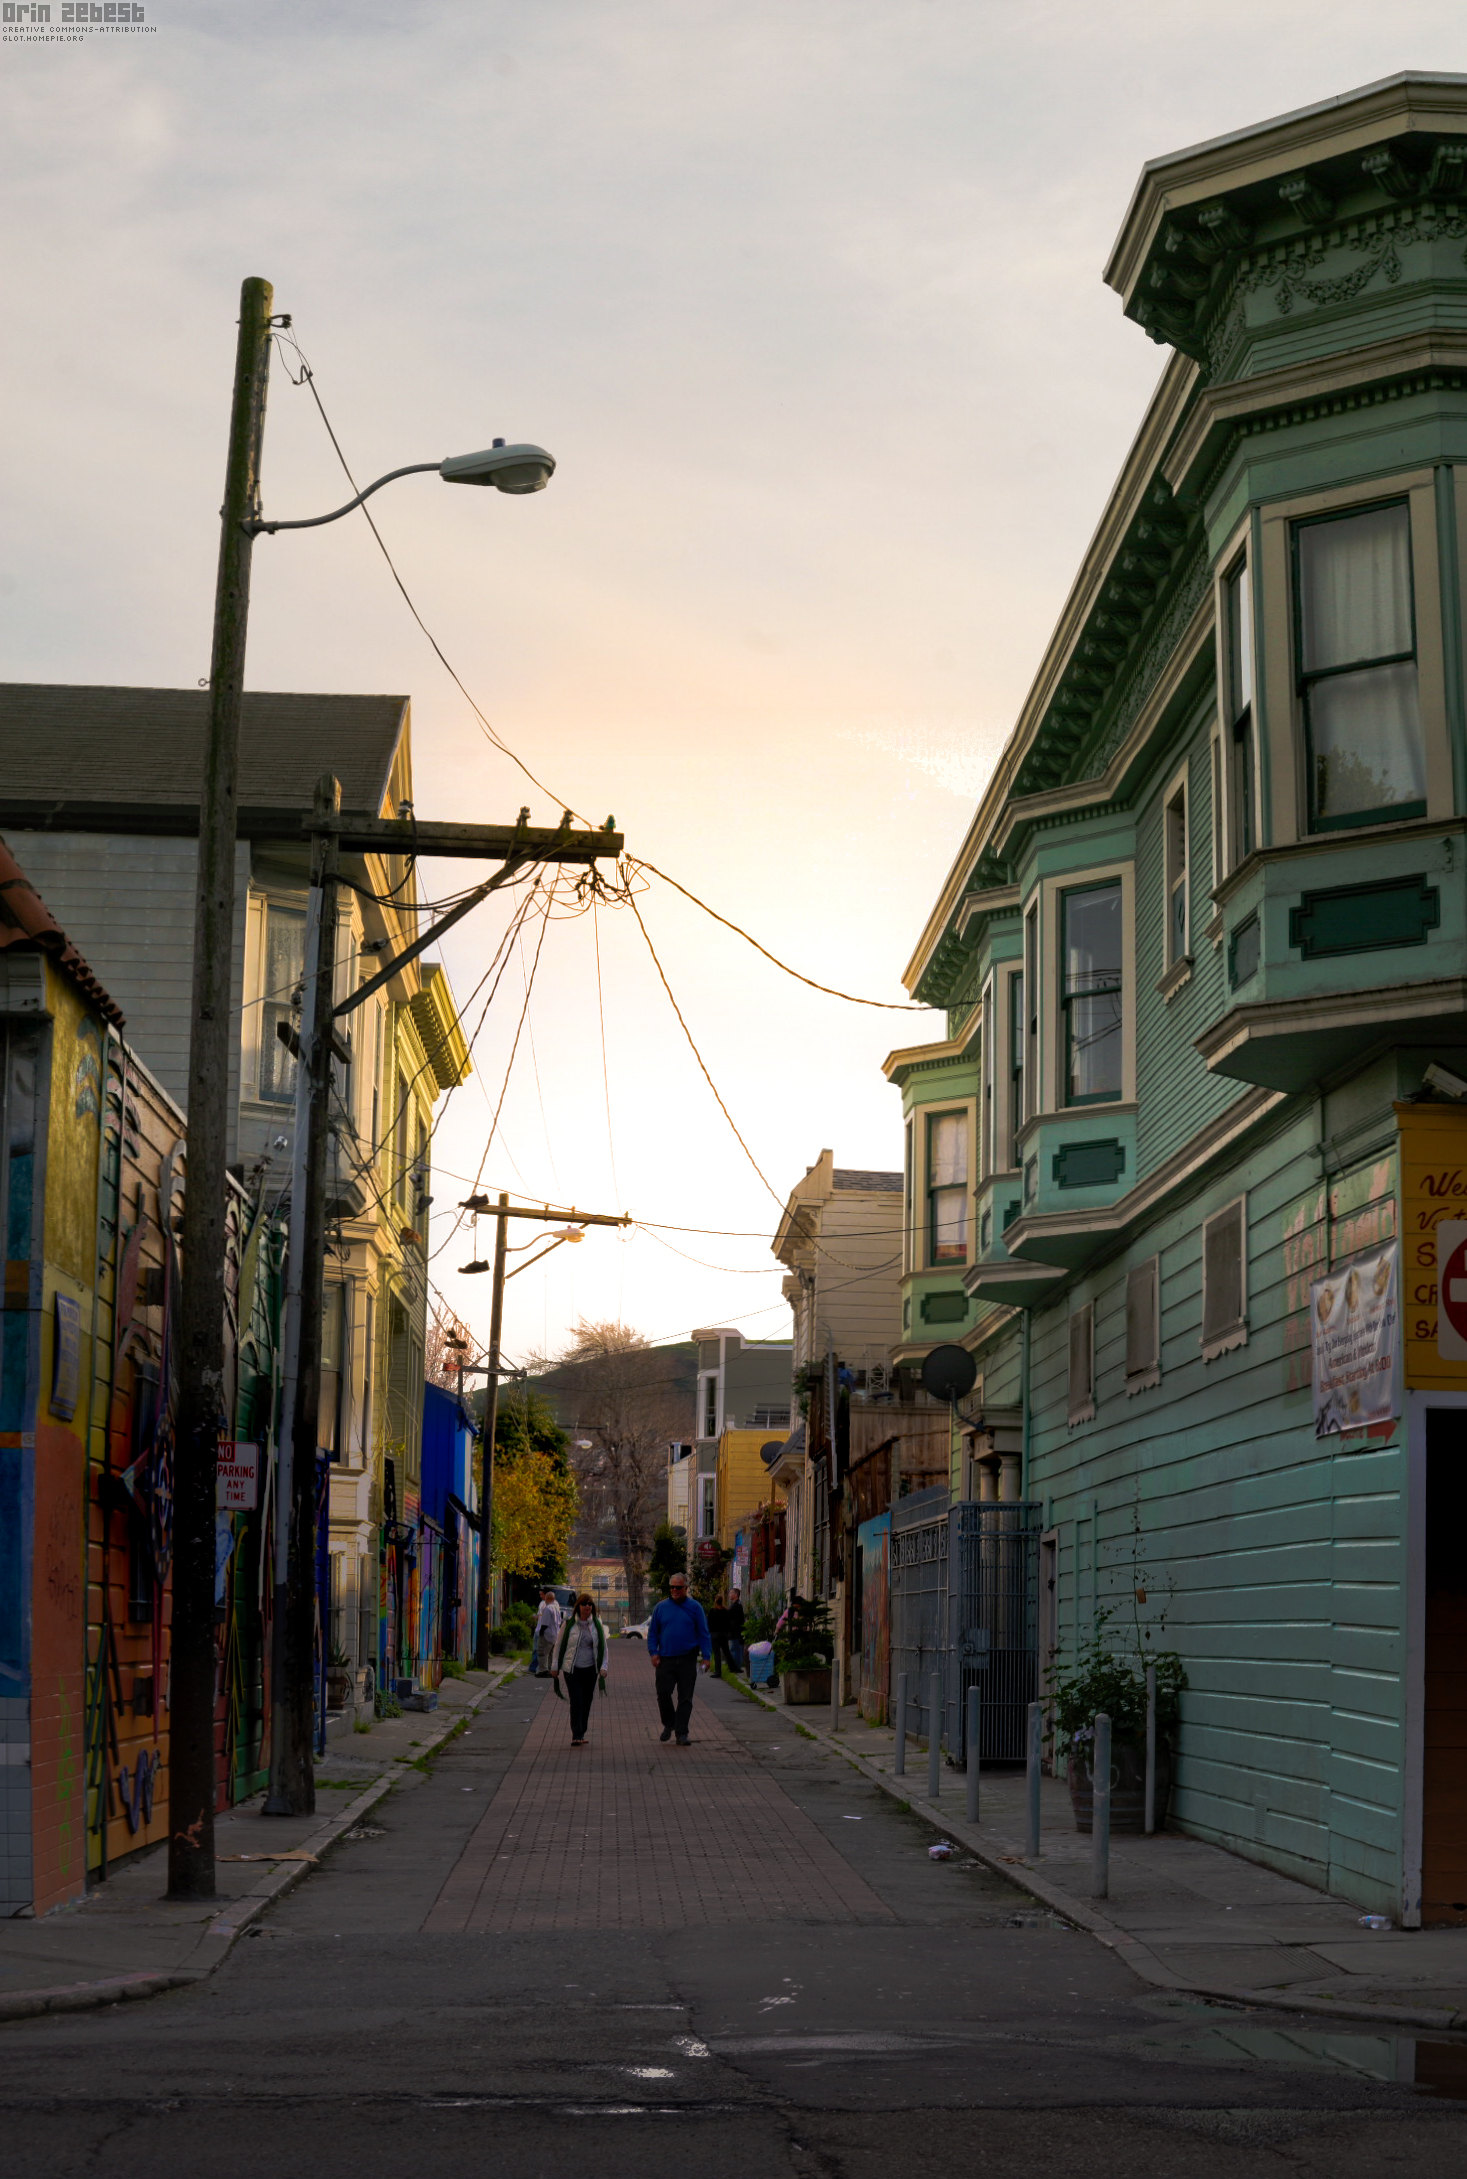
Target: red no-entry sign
(1451,1272)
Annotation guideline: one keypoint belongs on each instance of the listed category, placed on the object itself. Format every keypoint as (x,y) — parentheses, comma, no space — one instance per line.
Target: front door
(1444,1781)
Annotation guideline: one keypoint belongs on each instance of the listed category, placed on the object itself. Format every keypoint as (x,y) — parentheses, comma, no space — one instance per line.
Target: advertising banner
(1356,1322)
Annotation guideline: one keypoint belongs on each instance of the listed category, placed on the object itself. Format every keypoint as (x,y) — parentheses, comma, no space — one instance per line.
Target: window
(710,1407)
(1091,995)
(988,1150)
(1355,658)
(707,1502)
(284,957)
(909,1187)
(1178,920)
(1082,1364)
(1030,1006)
(1016,1064)
(402,1144)
(947,1188)
(329,1400)
(1143,1326)
(1224,1281)
(1238,711)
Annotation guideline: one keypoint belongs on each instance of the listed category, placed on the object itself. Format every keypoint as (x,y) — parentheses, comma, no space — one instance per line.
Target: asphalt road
(959,2030)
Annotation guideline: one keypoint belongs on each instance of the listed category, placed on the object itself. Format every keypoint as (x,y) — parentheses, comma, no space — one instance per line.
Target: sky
(805,297)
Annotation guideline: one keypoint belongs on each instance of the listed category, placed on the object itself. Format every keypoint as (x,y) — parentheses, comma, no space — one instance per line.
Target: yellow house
(742,1480)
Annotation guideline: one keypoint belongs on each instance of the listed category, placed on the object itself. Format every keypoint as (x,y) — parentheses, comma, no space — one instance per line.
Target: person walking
(547,1627)
(677,1633)
(718,1636)
(580,1653)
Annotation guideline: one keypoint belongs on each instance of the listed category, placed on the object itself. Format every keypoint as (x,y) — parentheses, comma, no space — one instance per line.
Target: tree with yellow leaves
(535,1493)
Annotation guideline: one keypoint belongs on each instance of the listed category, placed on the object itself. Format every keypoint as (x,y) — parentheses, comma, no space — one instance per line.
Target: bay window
(1355,662)
(947,1188)
(1016,1112)
(1091,993)
(1178,933)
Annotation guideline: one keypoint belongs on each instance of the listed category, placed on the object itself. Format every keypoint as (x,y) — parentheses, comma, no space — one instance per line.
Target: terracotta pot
(806,1684)
(338,1687)
(1127,1785)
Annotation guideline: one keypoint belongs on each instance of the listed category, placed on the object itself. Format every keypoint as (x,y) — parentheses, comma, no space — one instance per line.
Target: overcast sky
(805,298)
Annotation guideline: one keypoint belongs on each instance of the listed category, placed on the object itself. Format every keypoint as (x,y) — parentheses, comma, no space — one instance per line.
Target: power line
(891,1006)
(308,379)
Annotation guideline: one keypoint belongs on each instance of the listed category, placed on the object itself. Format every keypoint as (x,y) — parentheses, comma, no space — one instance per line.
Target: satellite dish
(949,1373)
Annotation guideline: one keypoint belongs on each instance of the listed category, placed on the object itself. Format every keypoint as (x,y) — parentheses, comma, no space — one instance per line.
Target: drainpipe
(1025,1440)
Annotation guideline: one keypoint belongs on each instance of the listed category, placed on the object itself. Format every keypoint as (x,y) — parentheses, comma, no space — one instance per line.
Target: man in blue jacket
(677,1633)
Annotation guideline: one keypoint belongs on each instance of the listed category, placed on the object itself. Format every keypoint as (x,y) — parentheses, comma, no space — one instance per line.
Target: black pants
(580,1688)
(677,1676)
(721,1656)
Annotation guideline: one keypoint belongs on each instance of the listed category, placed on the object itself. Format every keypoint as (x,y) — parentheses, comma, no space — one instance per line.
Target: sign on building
(1356,1328)
(1433,1220)
(238,1489)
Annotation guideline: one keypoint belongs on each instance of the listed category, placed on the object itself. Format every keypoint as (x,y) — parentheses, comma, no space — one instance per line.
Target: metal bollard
(934,1736)
(1033,1760)
(975,1717)
(899,1761)
(835,1693)
(1150,1749)
(1100,1809)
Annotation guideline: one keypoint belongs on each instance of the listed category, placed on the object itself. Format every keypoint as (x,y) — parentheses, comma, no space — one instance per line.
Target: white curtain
(1355,588)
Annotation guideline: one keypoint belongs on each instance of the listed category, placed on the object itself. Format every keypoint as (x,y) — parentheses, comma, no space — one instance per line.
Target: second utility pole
(491,1424)
(502,1214)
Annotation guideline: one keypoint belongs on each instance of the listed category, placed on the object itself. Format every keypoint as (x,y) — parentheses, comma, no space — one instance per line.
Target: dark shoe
(665,1735)
(578,1743)
(685,1743)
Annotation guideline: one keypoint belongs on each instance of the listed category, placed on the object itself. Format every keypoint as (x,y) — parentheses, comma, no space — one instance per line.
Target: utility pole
(201,1417)
(502,1214)
(292,1789)
(486,1458)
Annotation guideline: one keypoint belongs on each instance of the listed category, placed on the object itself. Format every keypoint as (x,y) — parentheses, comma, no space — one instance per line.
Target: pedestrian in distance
(580,1653)
(547,1627)
(736,1632)
(677,1635)
(718,1636)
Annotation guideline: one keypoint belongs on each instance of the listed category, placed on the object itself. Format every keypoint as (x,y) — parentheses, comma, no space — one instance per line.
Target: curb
(1139,1957)
(227,1927)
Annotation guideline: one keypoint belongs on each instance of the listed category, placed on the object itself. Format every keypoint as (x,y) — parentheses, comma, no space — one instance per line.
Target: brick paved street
(629,1834)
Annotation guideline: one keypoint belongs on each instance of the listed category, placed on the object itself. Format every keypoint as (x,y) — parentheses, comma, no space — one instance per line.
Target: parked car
(635,1630)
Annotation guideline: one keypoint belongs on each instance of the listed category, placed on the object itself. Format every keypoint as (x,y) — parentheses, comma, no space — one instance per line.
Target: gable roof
(847,1176)
(78,747)
(27,924)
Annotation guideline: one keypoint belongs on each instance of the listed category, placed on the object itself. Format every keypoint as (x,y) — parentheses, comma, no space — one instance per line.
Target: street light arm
(314,522)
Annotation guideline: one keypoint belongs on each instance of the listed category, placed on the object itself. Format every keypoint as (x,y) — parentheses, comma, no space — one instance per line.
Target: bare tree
(629,1408)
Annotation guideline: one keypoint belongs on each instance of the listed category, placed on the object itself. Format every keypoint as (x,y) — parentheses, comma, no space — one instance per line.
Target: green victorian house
(1175,1174)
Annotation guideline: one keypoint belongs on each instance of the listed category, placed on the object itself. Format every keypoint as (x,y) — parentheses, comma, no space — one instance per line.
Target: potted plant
(1101,1680)
(339,1687)
(803,1650)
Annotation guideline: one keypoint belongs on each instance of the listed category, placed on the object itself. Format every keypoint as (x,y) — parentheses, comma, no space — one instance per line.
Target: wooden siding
(1207,1514)
(127,904)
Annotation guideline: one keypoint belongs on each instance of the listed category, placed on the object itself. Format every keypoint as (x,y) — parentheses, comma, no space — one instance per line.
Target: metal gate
(965,1604)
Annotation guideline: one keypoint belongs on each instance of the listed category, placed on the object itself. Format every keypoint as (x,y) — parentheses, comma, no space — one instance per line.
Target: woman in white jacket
(580,1654)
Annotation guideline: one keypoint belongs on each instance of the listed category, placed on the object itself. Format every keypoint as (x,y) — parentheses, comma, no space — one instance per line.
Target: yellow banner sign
(1433,1191)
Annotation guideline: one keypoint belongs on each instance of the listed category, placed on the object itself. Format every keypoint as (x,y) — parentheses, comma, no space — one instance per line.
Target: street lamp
(515,469)
(201,1373)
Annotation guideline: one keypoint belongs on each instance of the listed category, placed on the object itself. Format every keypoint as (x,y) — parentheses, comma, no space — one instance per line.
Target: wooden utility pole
(201,1418)
(491,1424)
(502,1214)
(292,1789)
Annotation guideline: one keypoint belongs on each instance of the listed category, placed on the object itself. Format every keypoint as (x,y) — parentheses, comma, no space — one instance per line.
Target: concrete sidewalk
(125,1939)
(1184,1915)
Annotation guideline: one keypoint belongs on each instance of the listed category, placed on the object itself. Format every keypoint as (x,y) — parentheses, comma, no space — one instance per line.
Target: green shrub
(804,1641)
(1100,1679)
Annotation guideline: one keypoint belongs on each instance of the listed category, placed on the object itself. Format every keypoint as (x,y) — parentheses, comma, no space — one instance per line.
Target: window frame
(265,901)
(1045,1095)
(963,1113)
(1239,830)
(1306,679)
(1226,1339)
(1066,1102)
(1080,1401)
(1148,1376)
(1177,875)
(1285,798)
